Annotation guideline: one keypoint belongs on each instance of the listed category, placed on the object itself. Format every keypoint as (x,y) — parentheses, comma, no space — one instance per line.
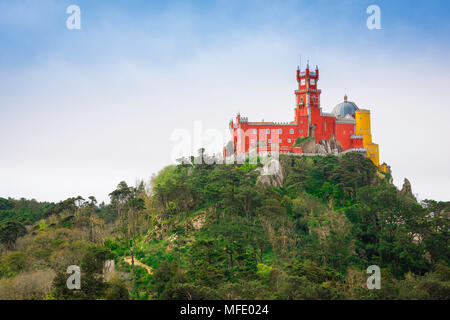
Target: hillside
(225,232)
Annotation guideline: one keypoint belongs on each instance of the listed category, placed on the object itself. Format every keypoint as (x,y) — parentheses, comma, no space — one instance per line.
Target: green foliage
(213,232)
(23,211)
(332,213)
(13,263)
(92,284)
(116,290)
(263,270)
(10,231)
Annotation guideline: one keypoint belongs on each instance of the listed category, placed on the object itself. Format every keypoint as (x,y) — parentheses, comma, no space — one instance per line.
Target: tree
(130,207)
(10,231)
(92,283)
(136,206)
(119,198)
(116,290)
(436,230)
(165,277)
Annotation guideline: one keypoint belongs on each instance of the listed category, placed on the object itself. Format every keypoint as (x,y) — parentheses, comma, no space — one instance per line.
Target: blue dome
(345,108)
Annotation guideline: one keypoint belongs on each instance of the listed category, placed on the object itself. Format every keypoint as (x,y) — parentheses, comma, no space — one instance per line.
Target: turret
(307,94)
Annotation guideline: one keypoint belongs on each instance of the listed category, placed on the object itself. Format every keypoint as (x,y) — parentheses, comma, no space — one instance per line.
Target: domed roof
(345,108)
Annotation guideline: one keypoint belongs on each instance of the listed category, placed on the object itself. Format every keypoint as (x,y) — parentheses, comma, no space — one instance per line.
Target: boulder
(272,173)
(331,146)
(321,148)
(335,145)
(308,146)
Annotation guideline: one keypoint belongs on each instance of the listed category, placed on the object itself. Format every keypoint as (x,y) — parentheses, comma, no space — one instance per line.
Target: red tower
(308,96)
(308,105)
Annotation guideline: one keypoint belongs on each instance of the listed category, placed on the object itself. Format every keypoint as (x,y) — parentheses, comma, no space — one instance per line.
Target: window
(301,100)
(254,131)
(268,131)
(270,140)
(289,140)
(279,141)
(280,131)
(301,130)
(291,131)
(252,141)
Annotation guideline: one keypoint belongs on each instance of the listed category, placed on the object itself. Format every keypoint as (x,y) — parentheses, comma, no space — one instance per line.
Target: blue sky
(32,31)
(81,110)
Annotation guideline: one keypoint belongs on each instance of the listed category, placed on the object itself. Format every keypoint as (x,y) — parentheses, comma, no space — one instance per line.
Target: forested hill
(226,232)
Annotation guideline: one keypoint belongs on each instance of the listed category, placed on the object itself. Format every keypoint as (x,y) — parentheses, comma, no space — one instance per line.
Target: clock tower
(307,95)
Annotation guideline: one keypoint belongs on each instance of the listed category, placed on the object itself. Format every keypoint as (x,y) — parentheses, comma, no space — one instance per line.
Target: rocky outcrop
(407,189)
(199,221)
(272,173)
(389,172)
(308,146)
(109,269)
(335,145)
(331,146)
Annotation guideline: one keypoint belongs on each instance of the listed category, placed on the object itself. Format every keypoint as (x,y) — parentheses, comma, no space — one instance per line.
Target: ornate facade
(345,129)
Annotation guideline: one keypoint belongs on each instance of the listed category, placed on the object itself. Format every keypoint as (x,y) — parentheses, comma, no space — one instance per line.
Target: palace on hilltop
(345,129)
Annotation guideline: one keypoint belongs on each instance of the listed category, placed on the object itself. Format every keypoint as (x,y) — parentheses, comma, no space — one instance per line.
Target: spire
(307,64)
(345,97)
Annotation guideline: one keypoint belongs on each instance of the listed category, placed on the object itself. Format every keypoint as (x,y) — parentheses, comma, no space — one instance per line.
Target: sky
(82,110)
